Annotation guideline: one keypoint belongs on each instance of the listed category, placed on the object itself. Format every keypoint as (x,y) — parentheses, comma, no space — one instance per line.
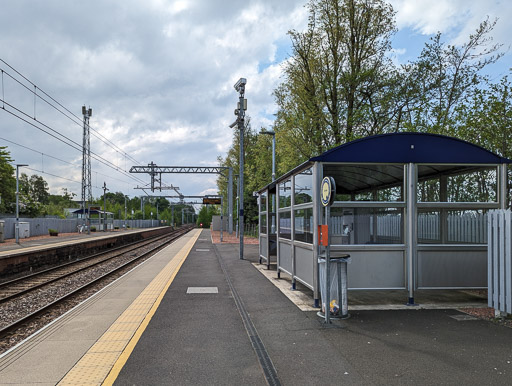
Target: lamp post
(17,229)
(273,134)
(105,190)
(240,122)
(125,212)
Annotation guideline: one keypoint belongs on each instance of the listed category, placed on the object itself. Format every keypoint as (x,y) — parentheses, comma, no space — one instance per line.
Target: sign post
(328,191)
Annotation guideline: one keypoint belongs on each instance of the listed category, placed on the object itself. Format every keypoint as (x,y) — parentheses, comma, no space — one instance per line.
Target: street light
(273,134)
(17,229)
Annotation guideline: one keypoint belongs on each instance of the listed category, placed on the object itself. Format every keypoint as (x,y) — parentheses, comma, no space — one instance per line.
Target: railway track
(19,286)
(37,299)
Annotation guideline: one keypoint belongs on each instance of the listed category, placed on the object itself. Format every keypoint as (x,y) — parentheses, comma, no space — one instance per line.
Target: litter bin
(2,224)
(338,304)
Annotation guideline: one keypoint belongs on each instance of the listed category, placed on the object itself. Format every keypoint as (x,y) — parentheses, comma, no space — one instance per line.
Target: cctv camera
(241,83)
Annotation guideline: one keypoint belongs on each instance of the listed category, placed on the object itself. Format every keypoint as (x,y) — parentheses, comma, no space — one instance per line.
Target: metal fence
(251,230)
(40,226)
(460,228)
(499,252)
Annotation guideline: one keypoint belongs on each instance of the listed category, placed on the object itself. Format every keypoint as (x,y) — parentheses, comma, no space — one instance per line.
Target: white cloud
(159,74)
(458,18)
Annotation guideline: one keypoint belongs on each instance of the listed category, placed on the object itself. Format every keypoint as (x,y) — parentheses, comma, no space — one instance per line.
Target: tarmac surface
(222,322)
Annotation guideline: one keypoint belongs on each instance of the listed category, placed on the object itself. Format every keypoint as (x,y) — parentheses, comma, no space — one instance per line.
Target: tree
(232,160)
(443,77)
(206,213)
(339,80)
(7,181)
(39,189)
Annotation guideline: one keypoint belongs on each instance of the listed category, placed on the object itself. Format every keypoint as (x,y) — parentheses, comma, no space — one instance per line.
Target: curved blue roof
(411,147)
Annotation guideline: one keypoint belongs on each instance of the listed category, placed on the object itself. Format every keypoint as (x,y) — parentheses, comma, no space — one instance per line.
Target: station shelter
(410,209)
(100,219)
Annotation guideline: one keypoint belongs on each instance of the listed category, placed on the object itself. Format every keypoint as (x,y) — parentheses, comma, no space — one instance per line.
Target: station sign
(327,191)
(211,201)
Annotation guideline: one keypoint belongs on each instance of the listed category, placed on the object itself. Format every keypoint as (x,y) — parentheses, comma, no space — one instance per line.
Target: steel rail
(54,270)
(27,318)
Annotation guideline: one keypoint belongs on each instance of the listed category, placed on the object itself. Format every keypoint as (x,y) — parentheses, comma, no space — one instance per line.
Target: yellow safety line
(102,366)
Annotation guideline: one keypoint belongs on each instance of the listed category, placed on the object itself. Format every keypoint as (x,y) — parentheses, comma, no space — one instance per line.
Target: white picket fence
(499,252)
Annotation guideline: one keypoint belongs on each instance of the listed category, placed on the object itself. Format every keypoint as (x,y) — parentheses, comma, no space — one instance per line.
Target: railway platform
(197,314)
(40,242)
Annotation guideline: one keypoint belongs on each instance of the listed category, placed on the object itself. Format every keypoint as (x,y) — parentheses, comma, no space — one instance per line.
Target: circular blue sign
(327,191)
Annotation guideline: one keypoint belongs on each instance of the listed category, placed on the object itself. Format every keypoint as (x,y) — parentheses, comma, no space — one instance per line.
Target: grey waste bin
(338,304)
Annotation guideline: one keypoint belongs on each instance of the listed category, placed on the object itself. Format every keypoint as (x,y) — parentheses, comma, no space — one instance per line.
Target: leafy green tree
(205,215)
(7,181)
(443,77)
(33,195)
(232,160)
(339,80)
(39,189)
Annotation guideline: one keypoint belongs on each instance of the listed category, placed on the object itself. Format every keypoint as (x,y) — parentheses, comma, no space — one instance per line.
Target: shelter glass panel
(285,194)
(304,187)
(263,202)
(272,202)
(445,226)
(355,226)
(263,223)
(303,227)
(285,224)
(367,182)
(466,226)
(452,183)
(429,226)
(272,223)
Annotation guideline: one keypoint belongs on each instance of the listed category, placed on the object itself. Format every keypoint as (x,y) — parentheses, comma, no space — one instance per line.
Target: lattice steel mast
(86,162)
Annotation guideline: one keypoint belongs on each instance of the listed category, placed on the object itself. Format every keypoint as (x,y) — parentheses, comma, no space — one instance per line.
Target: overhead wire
(65,112)
(73,145)
(61,109)
(58,159)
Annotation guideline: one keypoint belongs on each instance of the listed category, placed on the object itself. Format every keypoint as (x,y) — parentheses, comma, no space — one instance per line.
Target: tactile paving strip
(102,363)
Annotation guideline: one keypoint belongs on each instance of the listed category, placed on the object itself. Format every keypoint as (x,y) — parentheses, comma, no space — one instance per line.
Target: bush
(93,229)
(53,232)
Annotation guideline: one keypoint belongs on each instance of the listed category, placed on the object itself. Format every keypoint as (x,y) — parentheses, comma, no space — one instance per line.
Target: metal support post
(503,186)
(104,206)
(240,111)
(221,218)
(327,311)
(17,226)
(411,231)
(124,212)
(230,200)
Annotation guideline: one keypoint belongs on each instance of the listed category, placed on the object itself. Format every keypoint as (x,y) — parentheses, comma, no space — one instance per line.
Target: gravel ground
(489,315)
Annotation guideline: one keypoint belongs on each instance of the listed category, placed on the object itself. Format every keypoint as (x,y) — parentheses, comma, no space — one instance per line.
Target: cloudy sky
(159,76)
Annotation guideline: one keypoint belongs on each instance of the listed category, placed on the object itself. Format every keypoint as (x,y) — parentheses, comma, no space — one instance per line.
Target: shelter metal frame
(407,264)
